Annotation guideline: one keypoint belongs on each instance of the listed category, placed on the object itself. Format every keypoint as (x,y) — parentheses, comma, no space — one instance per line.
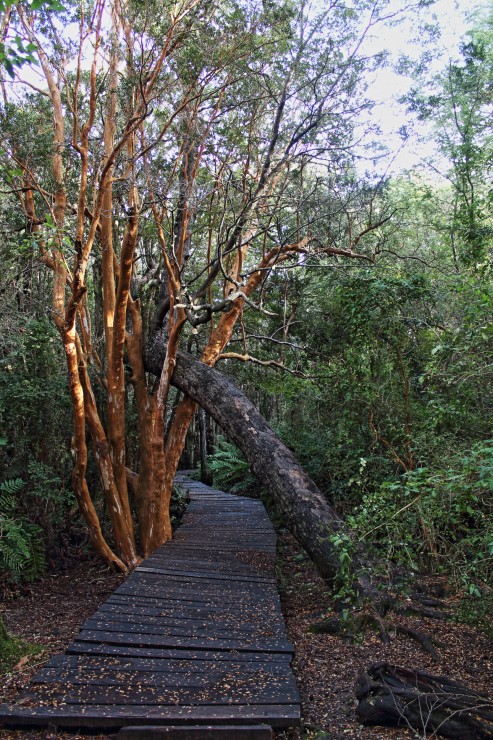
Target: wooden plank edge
(123,716)
(82,649)
(197,732)
(207,575)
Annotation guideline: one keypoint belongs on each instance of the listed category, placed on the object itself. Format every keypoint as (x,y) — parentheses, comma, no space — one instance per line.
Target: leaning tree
(166,160)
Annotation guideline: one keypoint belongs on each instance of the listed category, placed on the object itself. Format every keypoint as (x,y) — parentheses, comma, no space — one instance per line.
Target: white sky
(454,19)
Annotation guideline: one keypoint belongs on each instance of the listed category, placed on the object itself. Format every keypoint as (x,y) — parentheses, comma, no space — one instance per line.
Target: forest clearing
(223,252)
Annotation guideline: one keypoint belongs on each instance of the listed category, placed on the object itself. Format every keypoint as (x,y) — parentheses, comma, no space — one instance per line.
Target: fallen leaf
(21,663)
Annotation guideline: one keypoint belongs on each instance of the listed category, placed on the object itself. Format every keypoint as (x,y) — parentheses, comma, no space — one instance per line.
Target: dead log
(401,697)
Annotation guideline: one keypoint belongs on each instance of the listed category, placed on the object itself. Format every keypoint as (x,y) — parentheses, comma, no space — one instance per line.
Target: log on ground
(391,695)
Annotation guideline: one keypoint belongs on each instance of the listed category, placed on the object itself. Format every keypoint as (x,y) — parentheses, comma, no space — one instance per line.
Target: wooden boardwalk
(194,638)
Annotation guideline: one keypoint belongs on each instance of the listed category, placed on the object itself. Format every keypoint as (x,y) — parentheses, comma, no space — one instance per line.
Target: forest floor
(50,611)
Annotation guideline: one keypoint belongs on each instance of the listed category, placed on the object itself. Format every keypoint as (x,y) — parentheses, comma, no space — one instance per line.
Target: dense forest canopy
(189,175)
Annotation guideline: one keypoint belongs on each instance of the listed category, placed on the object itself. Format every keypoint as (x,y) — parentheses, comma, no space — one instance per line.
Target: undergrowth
(433,521)
(21,541)
(178,504)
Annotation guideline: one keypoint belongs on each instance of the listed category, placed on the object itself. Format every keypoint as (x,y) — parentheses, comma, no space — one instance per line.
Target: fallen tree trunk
(306,511)
(400,697)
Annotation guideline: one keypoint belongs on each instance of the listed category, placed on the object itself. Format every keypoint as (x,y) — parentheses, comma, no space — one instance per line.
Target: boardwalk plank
(184,627)
(238,598)
(86,648)
(198,732)
(104,716)
(220,624)
(233,693)
(197,619)
(102,666)
(176,662)
(142,580)
(211,565)
(242,598)
(217,684)
(209,576)
(175,641)
(180,605)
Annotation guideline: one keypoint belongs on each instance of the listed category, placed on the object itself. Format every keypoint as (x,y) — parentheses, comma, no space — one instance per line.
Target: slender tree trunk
(145,406)
(122,531)
(80,450)
(205,473)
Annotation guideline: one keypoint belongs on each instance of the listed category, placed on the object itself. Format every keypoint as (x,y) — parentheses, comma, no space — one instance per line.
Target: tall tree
(457,106)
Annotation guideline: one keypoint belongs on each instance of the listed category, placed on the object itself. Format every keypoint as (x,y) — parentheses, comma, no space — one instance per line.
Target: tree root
(428,600)
(410,610)
(379,620)
(422,639)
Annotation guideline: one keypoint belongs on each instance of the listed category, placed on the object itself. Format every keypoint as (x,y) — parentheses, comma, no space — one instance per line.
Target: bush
(12,649)
(437,520)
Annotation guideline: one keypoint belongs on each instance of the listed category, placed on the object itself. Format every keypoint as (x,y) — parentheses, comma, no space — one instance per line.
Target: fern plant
(229,467)
(21,543)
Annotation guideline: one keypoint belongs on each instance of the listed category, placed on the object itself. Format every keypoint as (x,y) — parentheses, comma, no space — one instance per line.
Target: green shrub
(437,520)
(35,429)
(180,499)
(12,649)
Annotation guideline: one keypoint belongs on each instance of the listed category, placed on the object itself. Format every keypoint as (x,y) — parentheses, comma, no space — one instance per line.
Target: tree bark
(306,511)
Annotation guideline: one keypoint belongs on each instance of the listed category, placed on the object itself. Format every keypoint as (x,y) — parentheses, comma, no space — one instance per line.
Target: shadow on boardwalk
(193,638)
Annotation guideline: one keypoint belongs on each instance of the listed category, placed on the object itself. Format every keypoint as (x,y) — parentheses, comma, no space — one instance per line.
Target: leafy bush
(437,520)
(179,501)
(229,467)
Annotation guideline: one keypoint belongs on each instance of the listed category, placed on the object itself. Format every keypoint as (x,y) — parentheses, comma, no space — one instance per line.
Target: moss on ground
(13,649)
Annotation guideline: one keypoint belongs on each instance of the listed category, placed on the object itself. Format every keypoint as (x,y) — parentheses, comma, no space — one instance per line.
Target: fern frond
(7,504)
(12,486)
(21,548)
(229,467)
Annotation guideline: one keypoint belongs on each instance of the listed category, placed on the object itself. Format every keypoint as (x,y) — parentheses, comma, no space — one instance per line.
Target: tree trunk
(205,473)
(306,511)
